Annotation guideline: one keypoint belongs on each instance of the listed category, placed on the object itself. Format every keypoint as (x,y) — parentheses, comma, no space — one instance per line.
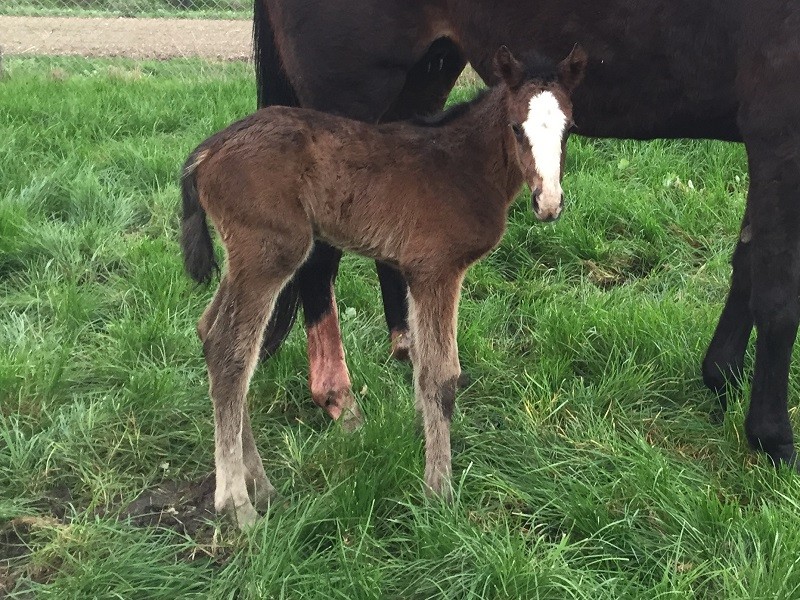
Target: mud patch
(183,506)
(15,540)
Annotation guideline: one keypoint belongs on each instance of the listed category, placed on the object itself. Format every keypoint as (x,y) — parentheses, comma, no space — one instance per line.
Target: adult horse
(718,69)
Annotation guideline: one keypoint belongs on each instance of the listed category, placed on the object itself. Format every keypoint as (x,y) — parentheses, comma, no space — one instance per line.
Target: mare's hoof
(717,415)
(351,418)
(338,403)
(784,455)
(401,345)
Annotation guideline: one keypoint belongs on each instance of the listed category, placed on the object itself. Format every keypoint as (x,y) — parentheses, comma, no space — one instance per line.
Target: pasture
(586,464)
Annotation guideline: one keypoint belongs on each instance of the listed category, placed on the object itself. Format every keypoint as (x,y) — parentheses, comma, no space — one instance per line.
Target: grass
(586,464)
(192,9)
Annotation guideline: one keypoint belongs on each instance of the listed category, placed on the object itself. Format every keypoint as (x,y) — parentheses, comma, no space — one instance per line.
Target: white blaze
(544,128)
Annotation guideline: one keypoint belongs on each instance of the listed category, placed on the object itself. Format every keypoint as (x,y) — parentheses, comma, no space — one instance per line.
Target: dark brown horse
(722,69)
(429,200)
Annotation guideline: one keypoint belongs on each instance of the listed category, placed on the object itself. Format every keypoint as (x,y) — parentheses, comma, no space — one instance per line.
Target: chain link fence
(229,9)
(209,30)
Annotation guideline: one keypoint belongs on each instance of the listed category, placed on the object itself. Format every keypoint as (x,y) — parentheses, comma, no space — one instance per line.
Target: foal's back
(382,191)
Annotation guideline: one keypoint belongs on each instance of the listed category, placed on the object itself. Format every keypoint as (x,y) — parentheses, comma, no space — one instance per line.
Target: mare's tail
(196,244)
(273,89)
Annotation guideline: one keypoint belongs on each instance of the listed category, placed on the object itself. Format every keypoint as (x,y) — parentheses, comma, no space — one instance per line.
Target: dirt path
(133,38)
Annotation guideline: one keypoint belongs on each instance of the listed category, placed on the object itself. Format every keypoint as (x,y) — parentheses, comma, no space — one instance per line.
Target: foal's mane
(537,68)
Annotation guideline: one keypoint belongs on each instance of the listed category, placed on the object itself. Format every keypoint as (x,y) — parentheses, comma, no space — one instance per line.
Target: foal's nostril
(535,195)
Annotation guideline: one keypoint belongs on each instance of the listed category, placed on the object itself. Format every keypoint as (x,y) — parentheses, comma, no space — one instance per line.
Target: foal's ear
(572,69)
(508,68)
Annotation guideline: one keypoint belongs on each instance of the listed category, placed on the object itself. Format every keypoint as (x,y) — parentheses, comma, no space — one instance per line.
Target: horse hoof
(401,345)
(717,415)
(246,516)
(243,516)
(334,401)
(351,418)
(784,455)
(263,497)
(438,485)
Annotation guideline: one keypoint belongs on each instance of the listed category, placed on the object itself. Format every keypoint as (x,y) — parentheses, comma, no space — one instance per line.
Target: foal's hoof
(263,496)
(243,516)
(438,485)
(401,344)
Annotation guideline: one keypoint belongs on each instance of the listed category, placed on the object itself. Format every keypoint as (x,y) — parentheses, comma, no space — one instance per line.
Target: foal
(430,199)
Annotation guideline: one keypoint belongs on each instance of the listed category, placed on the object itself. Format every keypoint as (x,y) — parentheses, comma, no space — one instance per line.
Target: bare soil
(133,38)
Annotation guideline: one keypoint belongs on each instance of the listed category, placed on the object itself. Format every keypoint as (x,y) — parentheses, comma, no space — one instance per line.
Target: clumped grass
(586,464)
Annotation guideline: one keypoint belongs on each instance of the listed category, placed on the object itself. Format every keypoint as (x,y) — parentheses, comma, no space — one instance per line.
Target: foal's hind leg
(212,310)
(258,484)
(724,359)
(258,269)
(433,314)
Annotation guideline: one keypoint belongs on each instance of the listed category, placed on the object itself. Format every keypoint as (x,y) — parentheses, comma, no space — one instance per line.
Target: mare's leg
(395,309)
(769,120)
(259,265)
(433,314)
(775,272)
(328,376)
(724,359)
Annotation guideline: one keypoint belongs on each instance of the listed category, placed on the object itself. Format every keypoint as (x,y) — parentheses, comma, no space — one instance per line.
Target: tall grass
(586,464)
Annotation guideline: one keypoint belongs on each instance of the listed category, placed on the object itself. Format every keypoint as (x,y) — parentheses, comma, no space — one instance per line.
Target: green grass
(191,9)
(585,462)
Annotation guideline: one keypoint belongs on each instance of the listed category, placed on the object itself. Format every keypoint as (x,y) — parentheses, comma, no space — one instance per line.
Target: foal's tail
(196,244)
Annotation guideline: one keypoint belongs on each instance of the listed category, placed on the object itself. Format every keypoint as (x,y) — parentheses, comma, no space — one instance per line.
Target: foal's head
(540,119)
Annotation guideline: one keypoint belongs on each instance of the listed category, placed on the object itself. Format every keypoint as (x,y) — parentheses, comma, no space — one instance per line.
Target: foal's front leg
(433,314)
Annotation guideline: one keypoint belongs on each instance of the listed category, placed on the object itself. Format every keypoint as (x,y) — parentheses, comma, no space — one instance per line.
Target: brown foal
(430,198)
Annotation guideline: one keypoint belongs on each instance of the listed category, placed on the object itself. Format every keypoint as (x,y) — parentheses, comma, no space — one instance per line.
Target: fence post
(2,72)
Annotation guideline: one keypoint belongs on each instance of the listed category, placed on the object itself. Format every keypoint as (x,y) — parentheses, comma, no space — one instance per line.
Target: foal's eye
(518,133)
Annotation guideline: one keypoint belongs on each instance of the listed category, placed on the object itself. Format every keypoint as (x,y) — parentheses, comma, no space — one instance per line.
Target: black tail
(198,250)
(272,85)
(273,89)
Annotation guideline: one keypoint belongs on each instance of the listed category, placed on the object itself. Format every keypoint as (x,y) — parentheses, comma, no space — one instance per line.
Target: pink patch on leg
(328,376)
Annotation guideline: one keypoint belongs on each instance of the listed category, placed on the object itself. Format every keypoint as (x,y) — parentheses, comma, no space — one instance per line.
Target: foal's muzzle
(545,212)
